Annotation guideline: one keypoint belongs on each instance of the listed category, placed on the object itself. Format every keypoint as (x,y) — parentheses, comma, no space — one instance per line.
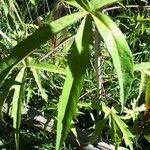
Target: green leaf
(27,46)
(33,2)
(5,7)
(17,103)
(96,4)
(75,4)
(29,94)
(11,21)
(143,76)
(7,86)
(80,4)
(147,137)
(78,61)
(115,134)
(36,75)
(119,51)
(127,135)
(35,64)
(142,66)
(99,126)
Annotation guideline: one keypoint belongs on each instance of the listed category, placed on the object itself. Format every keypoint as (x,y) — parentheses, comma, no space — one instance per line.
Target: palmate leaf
(96,4)
(127,135)
(17,103)
(78,61)
(119,51)
(27,46)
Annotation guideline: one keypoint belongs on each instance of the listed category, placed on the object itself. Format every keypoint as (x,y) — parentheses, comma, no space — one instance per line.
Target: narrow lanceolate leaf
(127,135)
(34,64)
(17,103)
(99,126)
(142,66)
(80,4)
(7,86)
(96,4)
(119,51)
(75,4)
(24,48)
(142,83)
(36,75)
(78,61)
(5,7)
(115,133)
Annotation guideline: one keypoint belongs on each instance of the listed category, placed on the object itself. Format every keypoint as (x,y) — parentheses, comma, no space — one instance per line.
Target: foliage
(66,81)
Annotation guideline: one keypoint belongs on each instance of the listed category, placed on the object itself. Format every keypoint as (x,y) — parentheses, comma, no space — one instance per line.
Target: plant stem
(127,6)
(56,48)
(98,60)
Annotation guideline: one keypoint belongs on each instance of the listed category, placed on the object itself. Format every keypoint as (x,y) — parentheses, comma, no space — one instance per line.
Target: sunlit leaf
(96,4)
(34,64)
(37,78)
(33,2)
(119,51)
(7,86)
(17,103)
(147,137)
(75,4)
(80,4)
(115,133)
(127,135)
(5,6)
(142,66)
(78,61)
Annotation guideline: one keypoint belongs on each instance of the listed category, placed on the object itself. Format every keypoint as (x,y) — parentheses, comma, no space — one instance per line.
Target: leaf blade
(127,135)
(7,86)
(45,67)
(78,62)
(17,104)
(96,4)
(27,46)
(119,51)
